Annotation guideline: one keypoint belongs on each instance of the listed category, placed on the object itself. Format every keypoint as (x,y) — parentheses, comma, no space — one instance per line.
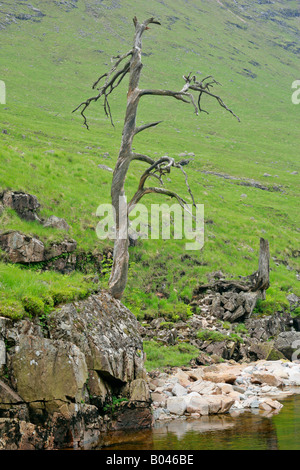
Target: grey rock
(230,305)
(22,248)
(105,167)
(57,249)
(61,365)
(239,312)
(2,353)
(254,404)
(176,405)
(178,390)
(57,222)
(92,351)
(294,300)
(26,205)
(287,343)
(106,332)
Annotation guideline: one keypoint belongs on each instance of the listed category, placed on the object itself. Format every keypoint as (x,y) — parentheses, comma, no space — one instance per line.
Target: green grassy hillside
(50,55)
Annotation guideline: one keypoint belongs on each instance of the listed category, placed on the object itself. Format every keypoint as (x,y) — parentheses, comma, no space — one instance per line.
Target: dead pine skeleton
(191,93)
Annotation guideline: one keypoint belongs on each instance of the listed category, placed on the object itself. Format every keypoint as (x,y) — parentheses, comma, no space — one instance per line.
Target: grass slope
(49,62)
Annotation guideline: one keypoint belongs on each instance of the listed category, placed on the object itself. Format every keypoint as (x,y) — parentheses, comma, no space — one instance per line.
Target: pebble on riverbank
(227,387)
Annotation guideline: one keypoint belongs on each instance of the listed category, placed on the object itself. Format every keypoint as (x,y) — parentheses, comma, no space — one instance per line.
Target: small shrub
(296,312)
(275,302)
(236,338)
(114,404)
(11,309)
(166,325)
(177,312)
(69,294)
(160,356)
(33,305)
(48,301)
(213,336)
(240,328)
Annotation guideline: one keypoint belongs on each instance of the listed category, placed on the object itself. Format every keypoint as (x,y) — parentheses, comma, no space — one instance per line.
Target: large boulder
(48,371)
(59,383)
(106,332)
(22,248)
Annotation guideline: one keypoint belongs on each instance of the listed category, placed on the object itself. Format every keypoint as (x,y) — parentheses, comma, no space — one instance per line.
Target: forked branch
(158,169)
(184,95)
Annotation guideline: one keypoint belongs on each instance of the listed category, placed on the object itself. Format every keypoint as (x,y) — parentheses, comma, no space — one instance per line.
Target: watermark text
(2,92)
(161,221)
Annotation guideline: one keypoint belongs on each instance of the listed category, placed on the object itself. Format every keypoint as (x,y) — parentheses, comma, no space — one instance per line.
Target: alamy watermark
(2,92)
(296,94)
(161,221)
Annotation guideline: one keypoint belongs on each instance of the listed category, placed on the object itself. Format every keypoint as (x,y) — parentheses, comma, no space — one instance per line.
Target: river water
(248,430)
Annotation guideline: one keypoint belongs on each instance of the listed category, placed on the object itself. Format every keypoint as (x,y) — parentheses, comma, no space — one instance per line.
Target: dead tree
(130,64)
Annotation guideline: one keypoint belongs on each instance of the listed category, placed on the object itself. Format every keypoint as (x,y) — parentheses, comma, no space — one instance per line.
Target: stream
(248,430)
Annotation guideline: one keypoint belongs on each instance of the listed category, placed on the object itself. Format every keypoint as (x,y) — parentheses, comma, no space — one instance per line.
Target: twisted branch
(157,170)
(113,79)
(192,84)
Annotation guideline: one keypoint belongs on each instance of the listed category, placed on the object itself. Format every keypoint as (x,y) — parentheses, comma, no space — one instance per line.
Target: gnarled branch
(113,79)
(140,193)
(142,158)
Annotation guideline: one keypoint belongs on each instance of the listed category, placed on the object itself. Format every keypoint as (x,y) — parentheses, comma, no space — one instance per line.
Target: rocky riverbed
(221,388)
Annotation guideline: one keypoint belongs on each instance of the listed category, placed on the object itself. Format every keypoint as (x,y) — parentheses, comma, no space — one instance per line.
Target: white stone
(178,390)
(204,387)
(294,376)
(198,404)
(266,389)
(176,405)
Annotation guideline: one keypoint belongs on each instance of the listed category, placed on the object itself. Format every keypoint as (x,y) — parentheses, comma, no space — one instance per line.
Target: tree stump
(263,274)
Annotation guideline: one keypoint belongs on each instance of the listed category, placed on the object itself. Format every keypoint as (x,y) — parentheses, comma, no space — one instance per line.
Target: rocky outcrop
(80,373)
(21,248)
(24,248)
(250,341)
(232,306)
(228,300)
(26,205)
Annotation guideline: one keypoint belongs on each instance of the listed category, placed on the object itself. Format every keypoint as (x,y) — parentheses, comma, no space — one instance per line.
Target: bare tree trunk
(118,277)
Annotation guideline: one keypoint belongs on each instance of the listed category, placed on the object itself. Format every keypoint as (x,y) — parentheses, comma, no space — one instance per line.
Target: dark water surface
(247,431)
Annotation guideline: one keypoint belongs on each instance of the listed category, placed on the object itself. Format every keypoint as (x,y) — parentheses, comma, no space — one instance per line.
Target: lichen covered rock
(60,383)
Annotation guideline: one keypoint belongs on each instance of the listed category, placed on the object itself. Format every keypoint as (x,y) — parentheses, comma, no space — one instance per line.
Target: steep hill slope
(244,173)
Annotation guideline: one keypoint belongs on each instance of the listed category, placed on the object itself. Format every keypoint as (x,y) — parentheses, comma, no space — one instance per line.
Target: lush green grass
(48,67)
(159,356)
(33,293)
(217,337)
